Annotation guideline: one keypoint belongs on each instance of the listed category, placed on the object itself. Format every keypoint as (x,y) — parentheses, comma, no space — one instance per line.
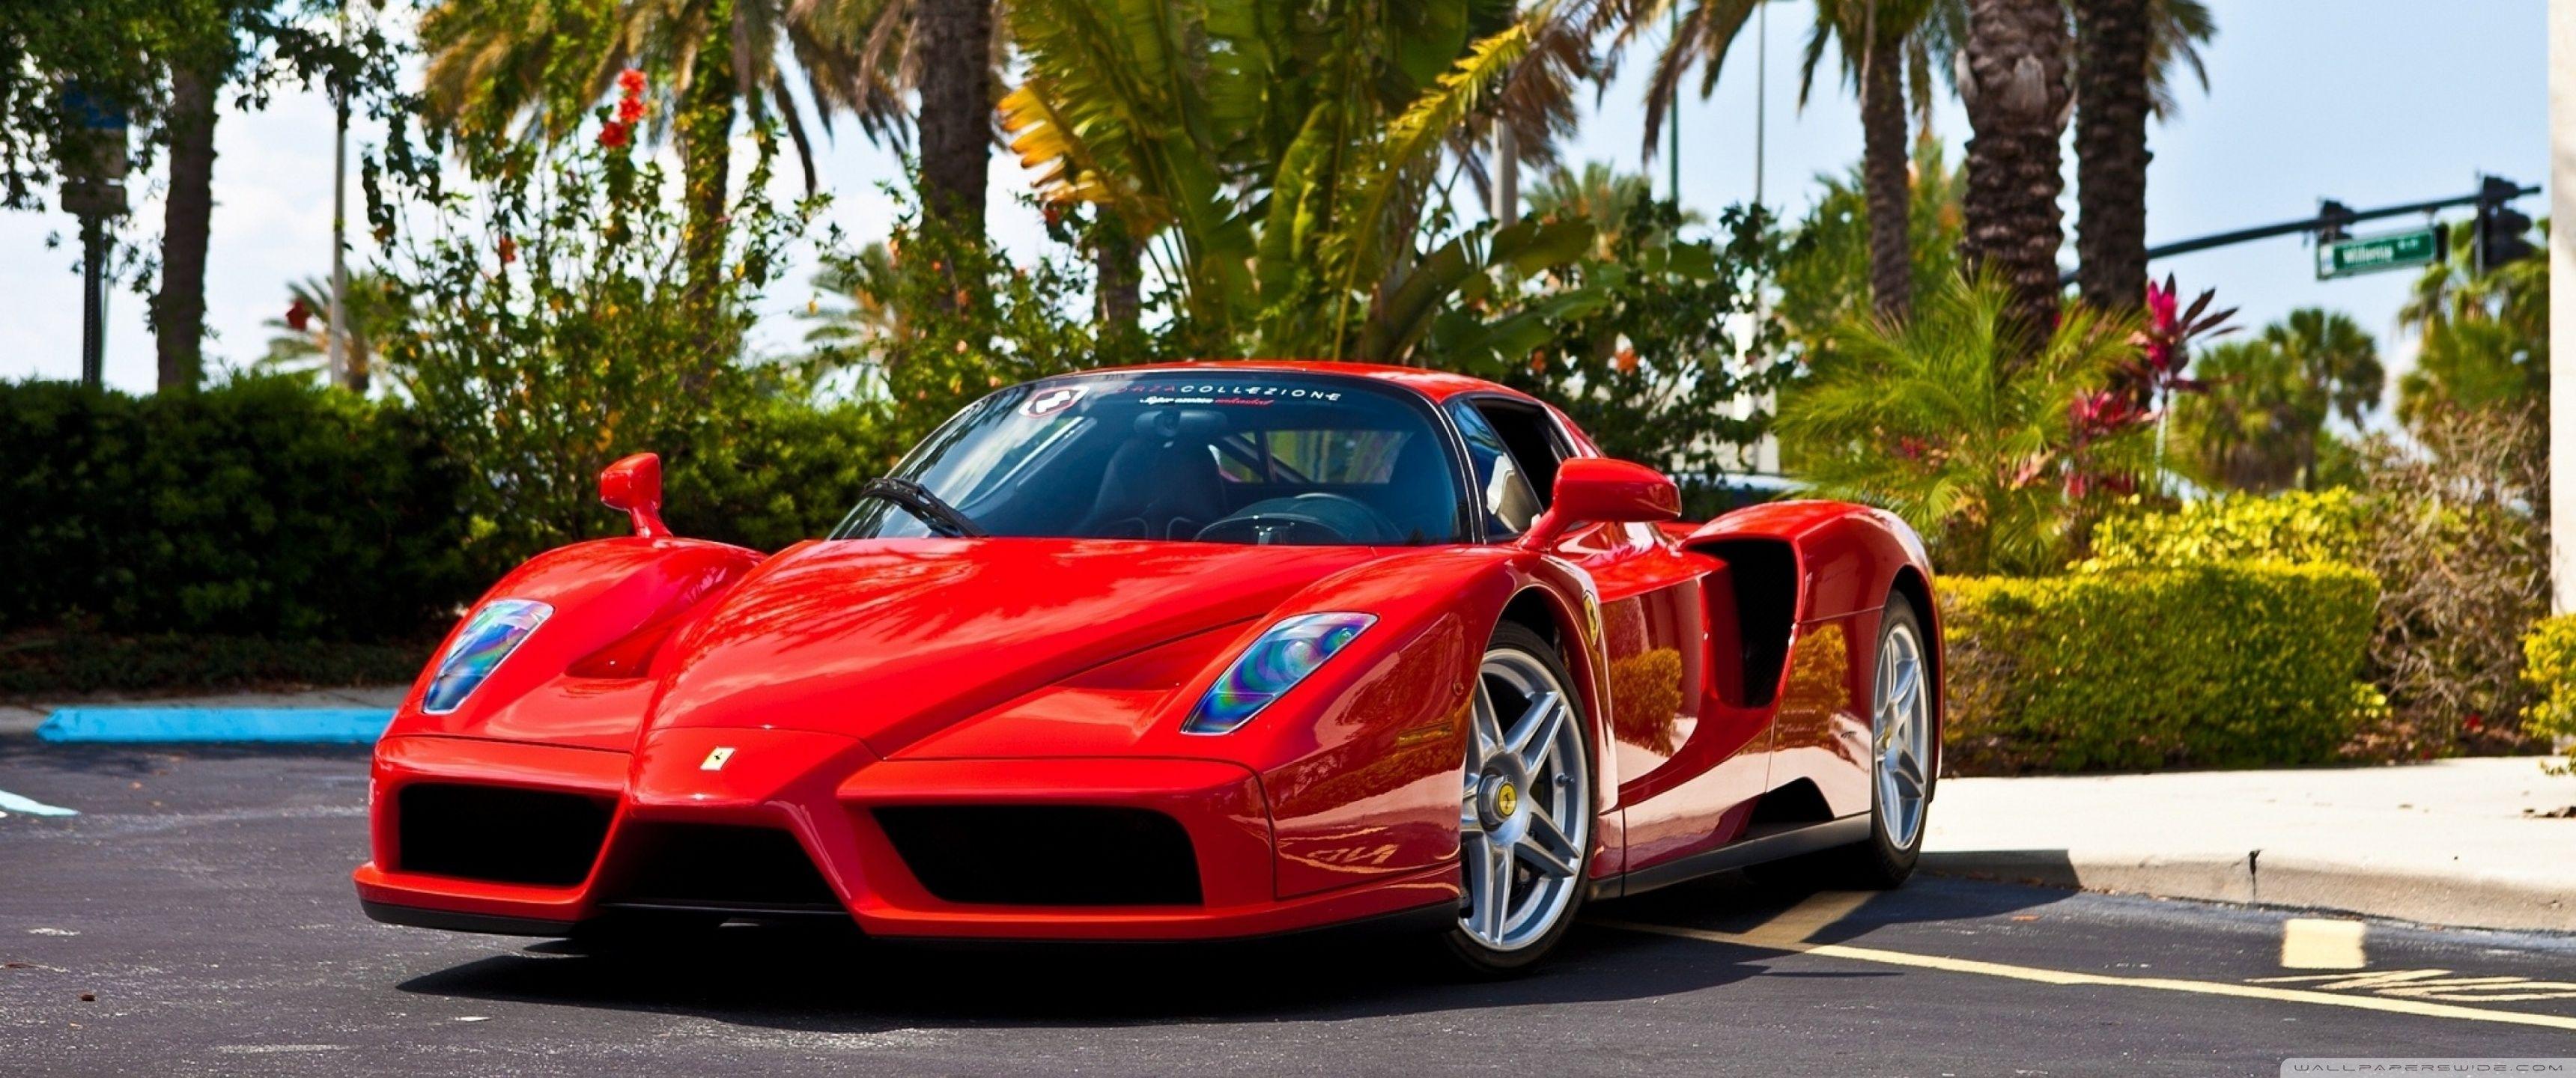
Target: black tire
(1879,864)
(1876,863)
(1475,956)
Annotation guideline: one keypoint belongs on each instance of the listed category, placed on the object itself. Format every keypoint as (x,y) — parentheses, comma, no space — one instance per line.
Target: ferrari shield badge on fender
(1052,401)
(716,758)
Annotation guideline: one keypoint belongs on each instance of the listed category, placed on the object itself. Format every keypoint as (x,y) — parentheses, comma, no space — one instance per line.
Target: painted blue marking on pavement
(319,725)
(10,802)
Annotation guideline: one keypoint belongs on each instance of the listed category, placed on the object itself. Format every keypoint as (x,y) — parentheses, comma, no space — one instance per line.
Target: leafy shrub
(2449,529)
(2294,526)
(782,471)
(2549,667)
(262,507)
(1649,341)
(559,318)
(1974,435)
(2241,664)
(45,663)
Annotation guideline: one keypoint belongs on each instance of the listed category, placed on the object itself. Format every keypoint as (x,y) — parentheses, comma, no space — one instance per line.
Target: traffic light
(2500,227)
(2334,221)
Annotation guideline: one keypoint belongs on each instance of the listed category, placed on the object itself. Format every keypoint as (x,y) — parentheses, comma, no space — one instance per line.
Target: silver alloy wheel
(1526,815)
(1900,708)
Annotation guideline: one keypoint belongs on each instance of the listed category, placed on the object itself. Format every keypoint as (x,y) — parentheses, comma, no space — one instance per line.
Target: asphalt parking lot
(196,917)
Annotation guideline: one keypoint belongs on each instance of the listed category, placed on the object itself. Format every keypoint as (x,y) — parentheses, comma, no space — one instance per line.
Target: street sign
(2386,251)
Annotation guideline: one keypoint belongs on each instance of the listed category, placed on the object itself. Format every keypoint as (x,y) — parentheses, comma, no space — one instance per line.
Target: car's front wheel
(1526,808)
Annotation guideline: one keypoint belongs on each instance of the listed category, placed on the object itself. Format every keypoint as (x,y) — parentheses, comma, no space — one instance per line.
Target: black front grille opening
(499,833)
(1045,855)
(718,867)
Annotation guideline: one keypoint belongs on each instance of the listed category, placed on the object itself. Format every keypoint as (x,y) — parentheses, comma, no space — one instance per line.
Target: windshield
(1219,457)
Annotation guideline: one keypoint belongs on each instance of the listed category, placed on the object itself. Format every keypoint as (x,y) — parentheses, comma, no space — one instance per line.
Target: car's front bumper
(824,791)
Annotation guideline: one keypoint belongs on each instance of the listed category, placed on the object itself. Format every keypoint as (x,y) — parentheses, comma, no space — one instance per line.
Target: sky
(2372,102)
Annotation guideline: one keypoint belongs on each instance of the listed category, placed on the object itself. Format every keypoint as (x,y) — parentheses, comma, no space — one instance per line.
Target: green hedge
(264,508)
(2235,664)
(269,509)
(2549,667)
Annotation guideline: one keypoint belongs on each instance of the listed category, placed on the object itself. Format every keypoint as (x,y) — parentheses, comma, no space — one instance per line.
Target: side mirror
(1597,490)
(634,484)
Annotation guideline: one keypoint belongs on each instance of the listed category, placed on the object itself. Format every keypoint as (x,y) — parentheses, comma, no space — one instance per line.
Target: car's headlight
(1275,662)
(489,636)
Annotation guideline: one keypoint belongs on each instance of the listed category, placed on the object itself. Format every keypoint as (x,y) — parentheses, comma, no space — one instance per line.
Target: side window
(1532,439)
(1502,492)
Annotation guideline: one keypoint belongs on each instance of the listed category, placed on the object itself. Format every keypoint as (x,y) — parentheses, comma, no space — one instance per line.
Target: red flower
(1626,361)
(298,315)
(631,82)
(614,135)
(509,250)
(630,109)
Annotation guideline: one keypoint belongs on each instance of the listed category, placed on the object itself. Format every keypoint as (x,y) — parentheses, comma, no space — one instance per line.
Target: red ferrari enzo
(1178,652)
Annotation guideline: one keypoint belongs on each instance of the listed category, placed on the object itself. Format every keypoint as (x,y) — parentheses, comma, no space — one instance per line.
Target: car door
(1675,774)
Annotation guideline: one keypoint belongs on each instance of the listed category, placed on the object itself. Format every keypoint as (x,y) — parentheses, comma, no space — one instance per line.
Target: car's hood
(892,640)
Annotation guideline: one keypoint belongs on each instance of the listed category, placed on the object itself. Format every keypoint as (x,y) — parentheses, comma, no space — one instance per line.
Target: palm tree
(2011,75)
(302,343)
(955,39)
(2126,51)
(1885,46)
(1598,194)
(2485,337)
(1276,167)
(499,68)
(1824,272)
(2262,424)
(1961,421)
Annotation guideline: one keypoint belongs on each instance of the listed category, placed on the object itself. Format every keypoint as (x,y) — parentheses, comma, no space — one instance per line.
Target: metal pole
(1673,124)
(338,323)
(1761,88)
(2562,305)
(1507,172)
(93,301)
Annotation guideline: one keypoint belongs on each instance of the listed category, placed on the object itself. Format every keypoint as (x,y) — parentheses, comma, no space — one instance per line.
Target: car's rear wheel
(1903,760)
(1526,807)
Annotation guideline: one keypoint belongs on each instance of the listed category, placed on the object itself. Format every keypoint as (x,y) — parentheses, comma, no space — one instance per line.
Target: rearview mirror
(1597,490)
(634,485)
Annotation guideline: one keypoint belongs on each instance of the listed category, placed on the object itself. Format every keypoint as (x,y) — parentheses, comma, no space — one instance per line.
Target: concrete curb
(2464,900)
(129,725)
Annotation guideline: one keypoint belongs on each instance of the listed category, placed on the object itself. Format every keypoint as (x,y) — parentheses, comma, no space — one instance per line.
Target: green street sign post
(2387,251)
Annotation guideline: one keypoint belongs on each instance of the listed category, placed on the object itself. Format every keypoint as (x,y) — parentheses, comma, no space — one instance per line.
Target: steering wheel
(1315,518)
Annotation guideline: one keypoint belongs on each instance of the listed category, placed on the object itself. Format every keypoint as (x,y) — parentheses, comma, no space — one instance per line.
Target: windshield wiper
(917,500)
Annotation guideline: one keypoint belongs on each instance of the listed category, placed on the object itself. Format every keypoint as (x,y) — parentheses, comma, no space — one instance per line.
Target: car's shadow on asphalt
(802,979)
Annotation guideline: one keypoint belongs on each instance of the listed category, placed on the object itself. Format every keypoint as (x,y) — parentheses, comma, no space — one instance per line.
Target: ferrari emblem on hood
(716,758)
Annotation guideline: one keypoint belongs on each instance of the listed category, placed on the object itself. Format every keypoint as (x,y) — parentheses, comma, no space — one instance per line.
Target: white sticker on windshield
(1052,401)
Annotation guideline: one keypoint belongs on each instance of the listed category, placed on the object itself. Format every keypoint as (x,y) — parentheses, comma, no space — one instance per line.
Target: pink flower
(2162,303)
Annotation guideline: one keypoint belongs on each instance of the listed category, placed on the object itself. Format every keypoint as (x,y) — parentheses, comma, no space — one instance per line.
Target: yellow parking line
(2322,943)
(1776,941)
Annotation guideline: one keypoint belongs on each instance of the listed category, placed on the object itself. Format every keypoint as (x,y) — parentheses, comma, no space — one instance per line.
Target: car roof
(1436,385)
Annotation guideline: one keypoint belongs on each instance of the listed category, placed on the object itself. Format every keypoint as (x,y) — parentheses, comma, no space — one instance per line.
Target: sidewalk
(2441,843)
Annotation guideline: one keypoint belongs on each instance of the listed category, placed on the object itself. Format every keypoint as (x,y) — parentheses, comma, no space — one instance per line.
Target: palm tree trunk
(179,309)
(955,39)
(706,151)
(1886,186)
(2016,92)
(1119,280)
(2111,152)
